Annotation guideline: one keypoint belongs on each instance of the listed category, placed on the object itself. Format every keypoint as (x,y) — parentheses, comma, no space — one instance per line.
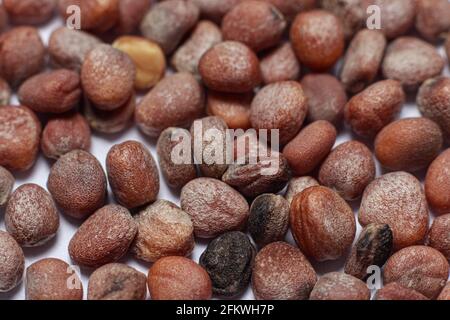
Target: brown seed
(5,93)
(4,18)
(116,281)
(163,230)
(178,278)
(131,13)
(445,293)
(372,109)
(348,170)
(421,268)
(175,101)
(339,286)
(52,279)
(107,76)
(214,207)
(326,97)
(396,199)
(31,216)
(68,48)
(22,54)
(30,12)
(395,291)
(350,12)
(437,183)
(104,237)
(187,57)
(13,262)
(411,61)
(297,185)
(269,219)
(214,9)
(282,106)
(317,37)
(233,108)
(308,149)
(6,185)
(282,272)
(77,183)
(167,22)
(408,144)
(230,66)
(290,8)
(20,130)
(322,223)
(363,60)
(280,64)
(373,248)
(439,235)
(51,92)
(432,19)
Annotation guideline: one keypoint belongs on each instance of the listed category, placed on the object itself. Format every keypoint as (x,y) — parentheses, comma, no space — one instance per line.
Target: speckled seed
(104,237)
(437,183)
(187,57)
(373,248)
(214,207)
(282,272)
(350,12)
(52,279)
(322,223)
(179,171)
(116,281)
(282,106)
(372,109)
(30,12)
(395,291)
(77,183)
(317,37)
(67,48)
(269,219)
(445,293)
(5,93)
(326,97)
(280,64)
(228,260)
(297,185)
(339,286)
(290,8)
(163,230)
(433,100)
(131,13)
(178,278)
(233,108)
(175,101)
(132,174)
(20,131)
(421,268)
(408,144)
(308,149)
(6,185)
(214,9)
(167,22)
(31,216)
(363,60)
(432,19)
(396,199)
(22,54)
(348,170)
(411,61)
(439,235)
(13,262)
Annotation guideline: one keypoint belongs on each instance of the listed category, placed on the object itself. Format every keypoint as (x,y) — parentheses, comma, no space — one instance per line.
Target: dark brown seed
(373,248)
(433,18)
(297,185)
(30,12)
(445,293)
(280,64)
(437,183)
(6,185)
(350,12)
(131,13)
(339,286)
(233,108)
(395,291)
(5,93)
(13,262)
(439,235)
(116,281)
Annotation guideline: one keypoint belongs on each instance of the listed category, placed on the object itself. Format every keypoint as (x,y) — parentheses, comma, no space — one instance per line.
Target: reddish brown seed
(445,293)
(433,18)
(230,67)
(350,12)
(175,101)
(280,64)
(167,22)
(290,8)
(317,37)
(395,291)
(178,278)
(348,170)
(322,223)
(420,268)
(326,97)
(439,235)
(77,183)
(20,130)
(411,61)
(5,93)
(22,54)
(297,185)
(31,216)
(116,281)
(51,92)
(310,147)
(372,109)
(131,13)
(214,207)
(163,230)
(363,60)
(104,237)
(396,199)
(437,183)
(233,108)
(30,12)
(408,144)
(281,272)
(339,286)
(13,262)
(215,9)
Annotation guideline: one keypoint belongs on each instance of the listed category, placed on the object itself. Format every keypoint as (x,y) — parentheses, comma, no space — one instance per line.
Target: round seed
(13,262)
(131,13)
(30,11)
(437,184)
(339,286)
(280,64)
(290,8)
(439,235)
(432,19)
(233,108)
(297,185)
(6,185)
(350,12)
(395,291)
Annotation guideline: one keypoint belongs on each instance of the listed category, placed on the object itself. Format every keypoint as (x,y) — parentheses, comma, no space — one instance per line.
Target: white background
(57,248)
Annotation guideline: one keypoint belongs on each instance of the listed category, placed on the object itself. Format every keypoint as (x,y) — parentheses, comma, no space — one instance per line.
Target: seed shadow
(40,251)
